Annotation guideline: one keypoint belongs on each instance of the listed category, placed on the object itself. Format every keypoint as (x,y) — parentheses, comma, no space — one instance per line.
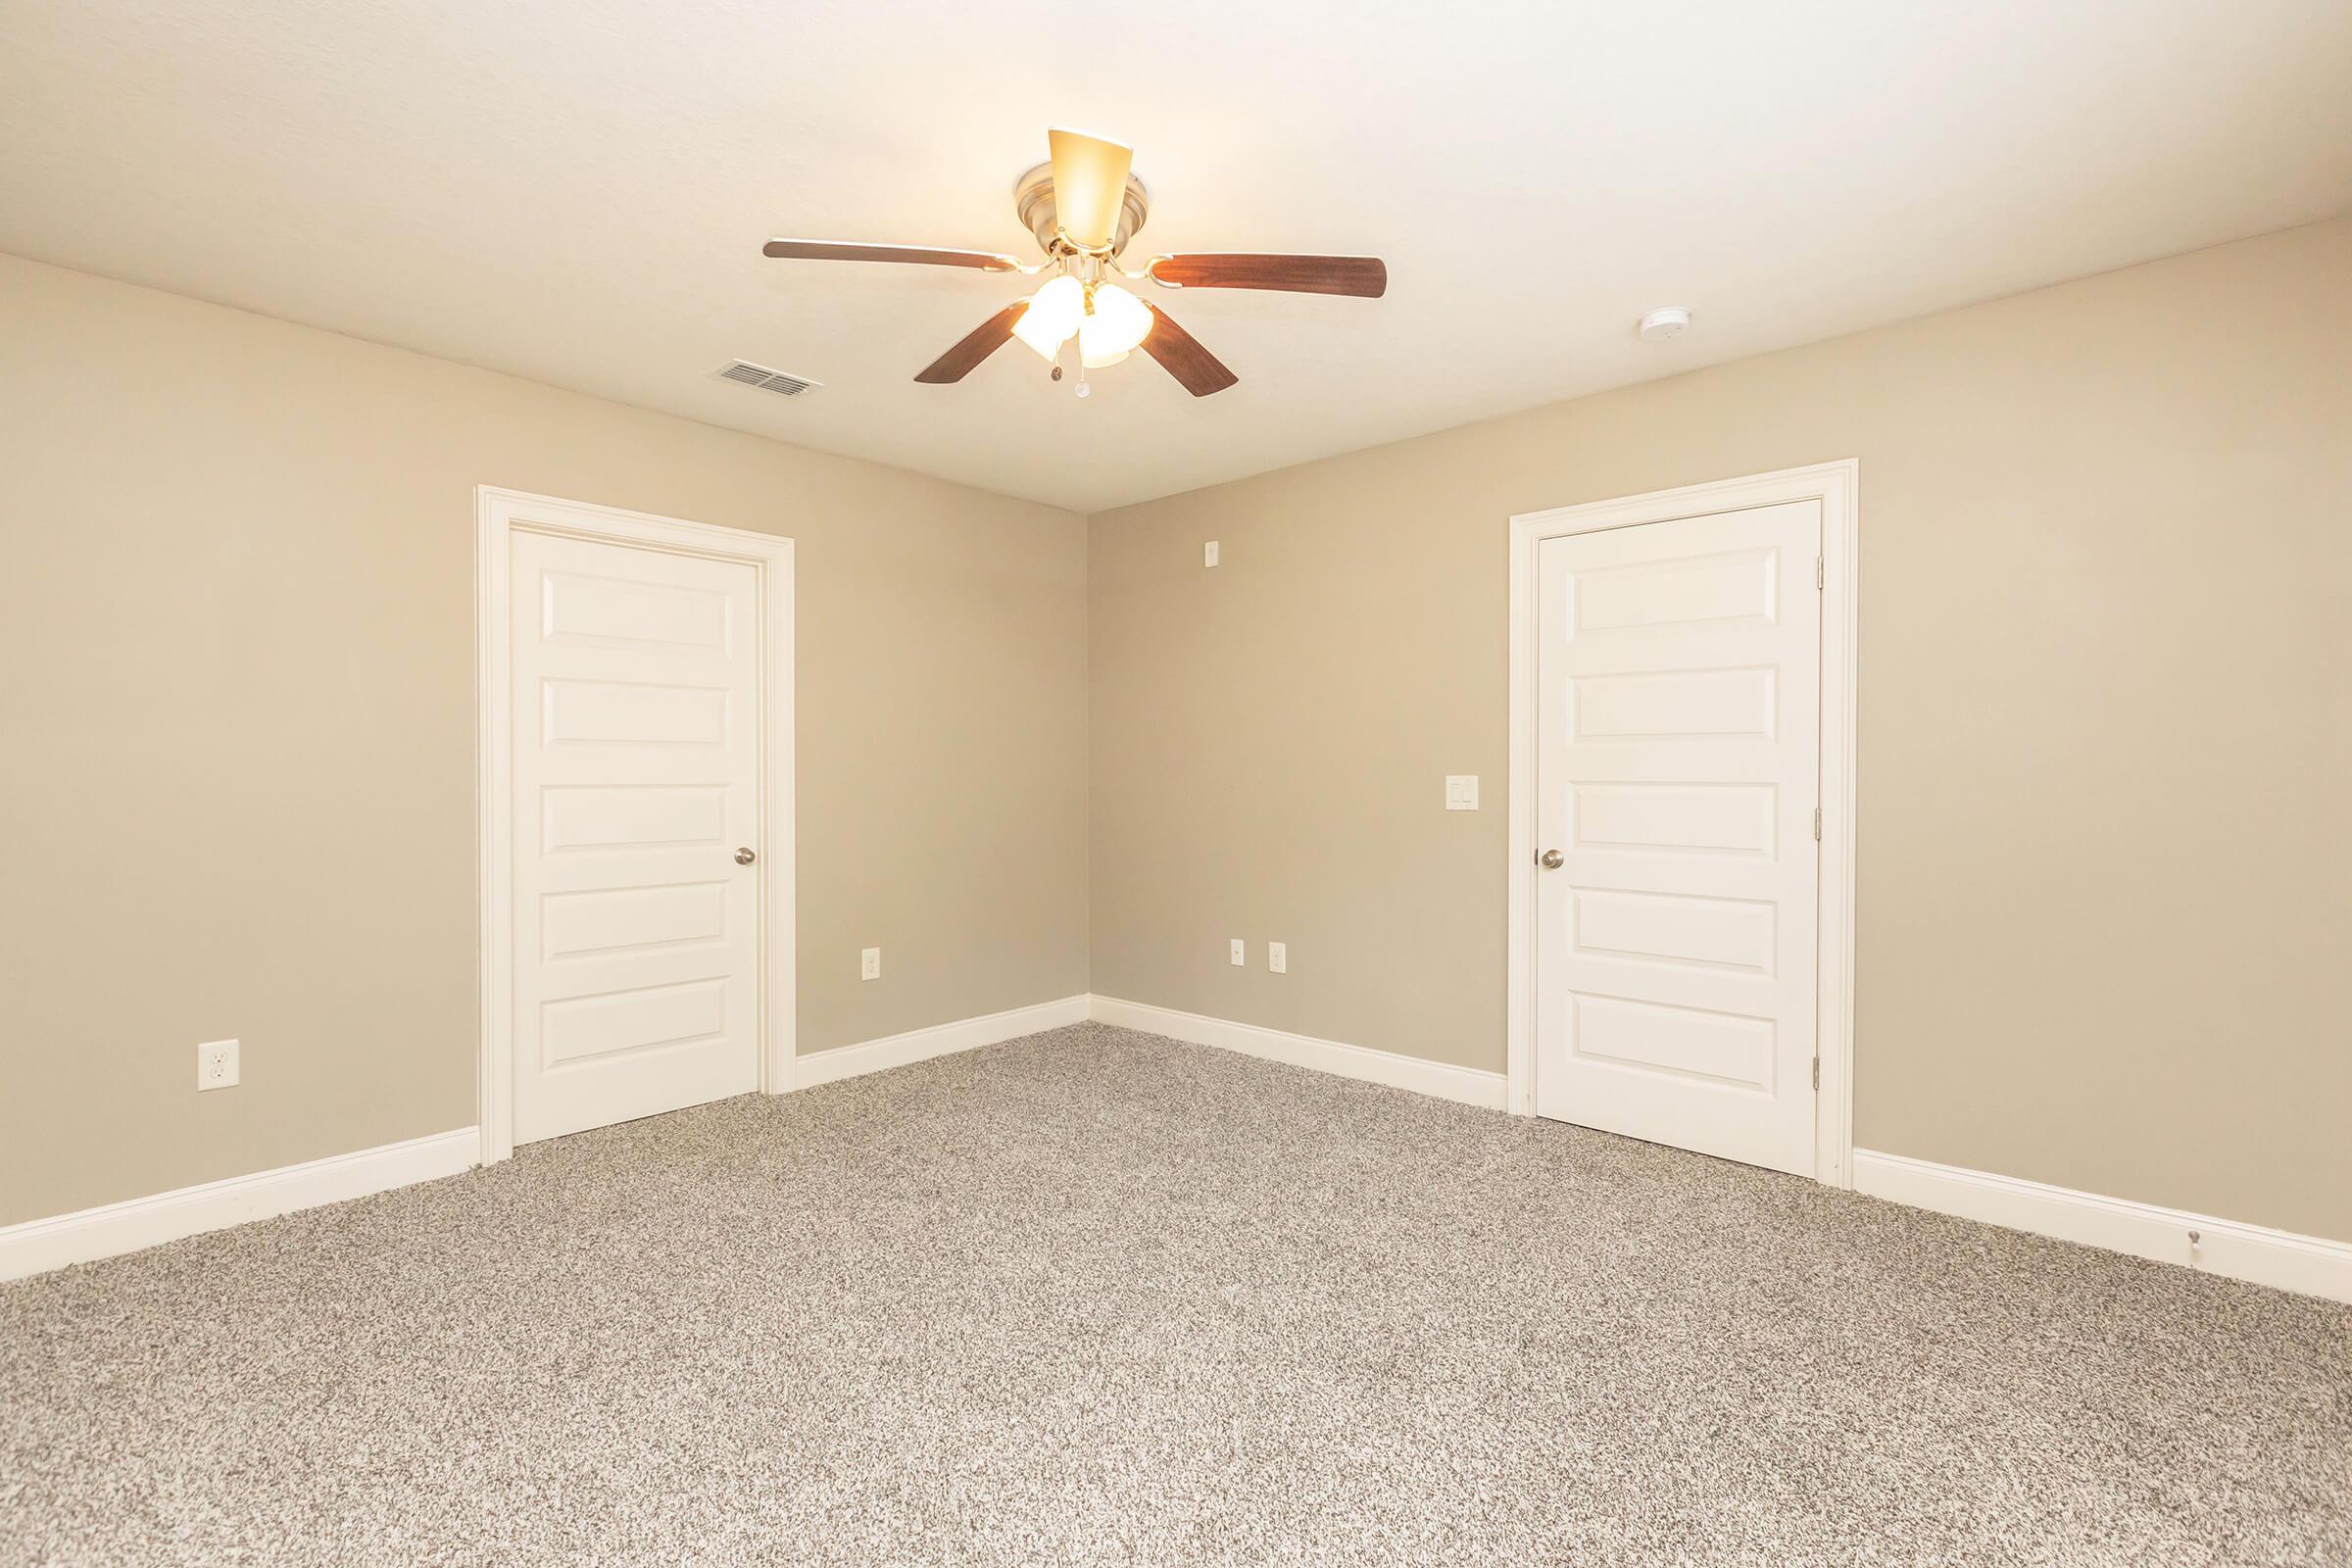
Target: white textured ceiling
(576,190)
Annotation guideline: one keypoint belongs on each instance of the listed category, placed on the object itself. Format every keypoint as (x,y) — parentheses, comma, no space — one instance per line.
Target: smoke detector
(1665,324)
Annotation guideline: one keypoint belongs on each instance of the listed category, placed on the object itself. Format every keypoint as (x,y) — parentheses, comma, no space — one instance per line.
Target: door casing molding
(1838,487)
(499,514)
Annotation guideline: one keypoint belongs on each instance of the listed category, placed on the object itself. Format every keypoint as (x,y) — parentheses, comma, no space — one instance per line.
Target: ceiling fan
(1084,206)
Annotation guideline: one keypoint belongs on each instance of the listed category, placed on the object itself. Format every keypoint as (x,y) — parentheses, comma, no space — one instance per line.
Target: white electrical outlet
(869,964)
(1208,554)
(1240,953)
(216,1065)
(1278,958)
(1461,792)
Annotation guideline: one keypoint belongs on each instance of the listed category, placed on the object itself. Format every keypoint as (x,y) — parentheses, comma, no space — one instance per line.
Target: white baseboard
(2307,1264)
(940,1040)
(2279,1259)
(40,1245)
(1467,1084)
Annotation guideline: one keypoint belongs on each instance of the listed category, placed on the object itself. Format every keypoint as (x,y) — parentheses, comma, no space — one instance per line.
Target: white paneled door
(1679,776)
(636,710)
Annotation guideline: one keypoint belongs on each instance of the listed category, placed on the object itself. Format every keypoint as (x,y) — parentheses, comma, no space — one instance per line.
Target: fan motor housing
(1033,199)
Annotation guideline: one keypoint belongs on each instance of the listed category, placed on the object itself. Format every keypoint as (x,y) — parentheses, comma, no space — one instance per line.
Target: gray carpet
(1100,1297)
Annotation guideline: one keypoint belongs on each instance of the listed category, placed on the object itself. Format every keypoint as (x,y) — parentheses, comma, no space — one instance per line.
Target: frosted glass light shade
(1054,314)
(1119,322)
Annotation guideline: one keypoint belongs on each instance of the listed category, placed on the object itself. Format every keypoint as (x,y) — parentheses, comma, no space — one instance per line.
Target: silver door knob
(745,857)
(1553,859)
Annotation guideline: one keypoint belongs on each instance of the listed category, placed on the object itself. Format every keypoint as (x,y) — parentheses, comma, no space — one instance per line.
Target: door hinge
(1817,824)
(1817,1072)
(1820,571)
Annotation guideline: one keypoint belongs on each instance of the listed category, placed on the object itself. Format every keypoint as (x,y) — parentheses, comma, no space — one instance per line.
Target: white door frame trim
(1838,487)
(497,515)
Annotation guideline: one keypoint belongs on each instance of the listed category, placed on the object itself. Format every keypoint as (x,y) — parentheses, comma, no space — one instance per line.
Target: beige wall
(237,701)
(2106,744)
(2106,749)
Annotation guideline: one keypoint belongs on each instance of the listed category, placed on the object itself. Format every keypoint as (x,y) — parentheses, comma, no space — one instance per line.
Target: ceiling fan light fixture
(1054,314)
(1082,207)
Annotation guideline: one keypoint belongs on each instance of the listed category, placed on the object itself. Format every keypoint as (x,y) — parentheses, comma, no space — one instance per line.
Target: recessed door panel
(631,816)
(643,712)
(575,1029)
(1713,931)
(578,925)
(575,605)
(1738,585)
(1660,1038)
(1672,817)
(1692,705)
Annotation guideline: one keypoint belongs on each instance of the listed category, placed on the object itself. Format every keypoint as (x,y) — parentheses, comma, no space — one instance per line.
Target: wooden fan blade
(1363,276)
(1090,182)
(1181,355)
(977,345)
(825,250)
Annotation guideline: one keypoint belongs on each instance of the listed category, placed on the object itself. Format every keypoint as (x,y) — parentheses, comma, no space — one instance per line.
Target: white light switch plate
(1208,554)
(869,964)
(1278,958)
(216,1065)
(1461,792)
(1240,953)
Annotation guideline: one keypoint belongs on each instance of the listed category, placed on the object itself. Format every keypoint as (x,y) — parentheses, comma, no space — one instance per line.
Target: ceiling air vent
(765,379)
